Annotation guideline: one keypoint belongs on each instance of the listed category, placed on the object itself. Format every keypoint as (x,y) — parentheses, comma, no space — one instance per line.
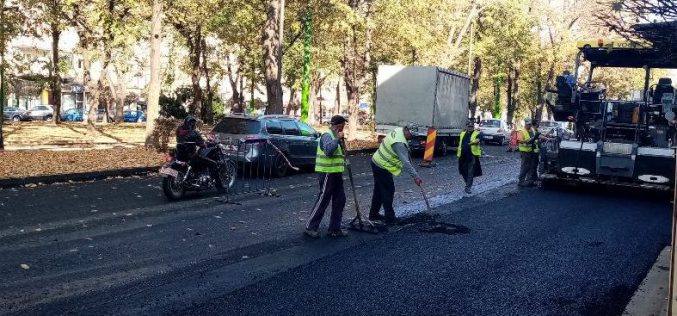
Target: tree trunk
(55,79)
(291,105)
(271,51)
(233,80)
(122,97)
(337,102)
(475,86)
(208,110)
(509,95)
(353,102)
(514,103)
(539,96)
(195,54)
(356,66)
(153,109)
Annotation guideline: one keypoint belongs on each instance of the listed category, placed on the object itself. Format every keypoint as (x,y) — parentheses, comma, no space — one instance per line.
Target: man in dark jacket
(469,152)
(190,146)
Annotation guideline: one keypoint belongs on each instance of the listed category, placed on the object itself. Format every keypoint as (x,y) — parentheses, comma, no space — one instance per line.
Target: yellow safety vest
(474,148)
(527,148)
(334,164)
(386,157)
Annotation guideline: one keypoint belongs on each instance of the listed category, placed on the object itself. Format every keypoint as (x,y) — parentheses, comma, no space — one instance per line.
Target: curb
(99,175)
(361,151)
(651,297)
(84,176)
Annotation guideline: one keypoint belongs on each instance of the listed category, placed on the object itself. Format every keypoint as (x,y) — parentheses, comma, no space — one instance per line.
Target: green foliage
(172,107)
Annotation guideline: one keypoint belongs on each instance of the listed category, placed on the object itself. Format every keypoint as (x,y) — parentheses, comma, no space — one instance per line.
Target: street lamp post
(3,65)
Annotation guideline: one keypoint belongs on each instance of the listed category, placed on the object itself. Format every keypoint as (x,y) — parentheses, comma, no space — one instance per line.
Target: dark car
(13,113)
(296,139)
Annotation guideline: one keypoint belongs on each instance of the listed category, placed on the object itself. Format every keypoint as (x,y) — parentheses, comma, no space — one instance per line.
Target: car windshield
(491,123)
(237,126)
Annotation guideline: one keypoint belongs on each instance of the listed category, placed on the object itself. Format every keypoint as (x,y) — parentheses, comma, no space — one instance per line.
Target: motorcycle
(180,176)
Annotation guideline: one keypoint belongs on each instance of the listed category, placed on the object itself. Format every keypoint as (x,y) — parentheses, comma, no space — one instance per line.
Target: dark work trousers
(527,167)
(331,190)
(384,191)
(467,170)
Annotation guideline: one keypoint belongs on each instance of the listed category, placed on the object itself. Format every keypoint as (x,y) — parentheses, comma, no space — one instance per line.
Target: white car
(40,112)
(494,131)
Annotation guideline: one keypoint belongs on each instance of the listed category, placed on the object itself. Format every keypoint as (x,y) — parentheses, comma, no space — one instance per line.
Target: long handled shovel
(359,223)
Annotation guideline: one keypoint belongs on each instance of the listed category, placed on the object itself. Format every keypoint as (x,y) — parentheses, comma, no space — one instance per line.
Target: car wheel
(280,167)
(16,119)
(139,120)
(48,118)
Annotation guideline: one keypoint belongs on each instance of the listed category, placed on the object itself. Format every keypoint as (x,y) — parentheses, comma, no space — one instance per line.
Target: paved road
(117,247)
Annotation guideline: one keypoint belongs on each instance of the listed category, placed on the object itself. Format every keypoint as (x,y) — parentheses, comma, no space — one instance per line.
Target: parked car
(134,116)
(494,131)
(13,113)
(296,139)
(72,115)
(41,112)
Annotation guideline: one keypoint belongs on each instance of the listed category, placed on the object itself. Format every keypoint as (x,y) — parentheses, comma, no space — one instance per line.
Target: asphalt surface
(118,247)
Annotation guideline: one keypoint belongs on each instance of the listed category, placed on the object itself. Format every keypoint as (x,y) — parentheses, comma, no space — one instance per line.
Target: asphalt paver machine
(618,142)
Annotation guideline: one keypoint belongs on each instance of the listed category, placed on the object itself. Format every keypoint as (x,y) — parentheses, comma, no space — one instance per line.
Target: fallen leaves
(30,163)
(24,266)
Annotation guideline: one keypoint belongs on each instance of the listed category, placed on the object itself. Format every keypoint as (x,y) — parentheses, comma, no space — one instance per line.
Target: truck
(628,143)
(427,96)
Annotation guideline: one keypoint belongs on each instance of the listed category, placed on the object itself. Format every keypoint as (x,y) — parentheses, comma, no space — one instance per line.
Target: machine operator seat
(564,90)
(664,86)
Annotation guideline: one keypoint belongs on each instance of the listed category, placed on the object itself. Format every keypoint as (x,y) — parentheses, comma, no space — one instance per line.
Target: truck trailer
(426,95)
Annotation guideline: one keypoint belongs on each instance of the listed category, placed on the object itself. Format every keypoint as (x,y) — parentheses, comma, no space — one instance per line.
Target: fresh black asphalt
(117,247)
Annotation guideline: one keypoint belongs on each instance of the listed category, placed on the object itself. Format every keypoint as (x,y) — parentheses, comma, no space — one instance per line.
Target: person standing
(526,148)
(329,164)
(468,154)
(389,160)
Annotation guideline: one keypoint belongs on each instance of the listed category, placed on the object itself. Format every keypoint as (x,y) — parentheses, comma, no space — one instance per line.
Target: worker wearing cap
(389,160)
(468,154)
(528,154)
(329,164)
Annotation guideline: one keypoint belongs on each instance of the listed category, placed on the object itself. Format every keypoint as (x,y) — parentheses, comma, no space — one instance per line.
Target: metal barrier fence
(255,162)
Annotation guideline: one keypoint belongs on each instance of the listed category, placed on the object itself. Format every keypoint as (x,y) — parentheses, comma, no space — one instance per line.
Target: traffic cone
(429,148)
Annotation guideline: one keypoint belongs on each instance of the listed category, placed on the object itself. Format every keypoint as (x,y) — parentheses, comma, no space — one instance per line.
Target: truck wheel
(443,149)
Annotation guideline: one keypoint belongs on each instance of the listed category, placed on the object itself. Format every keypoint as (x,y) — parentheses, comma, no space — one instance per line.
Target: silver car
(40,112)
(13,113)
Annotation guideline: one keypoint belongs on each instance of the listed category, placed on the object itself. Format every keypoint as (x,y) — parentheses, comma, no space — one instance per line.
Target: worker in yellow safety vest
(468,153)
(389,160)
(330,163)
(528,154)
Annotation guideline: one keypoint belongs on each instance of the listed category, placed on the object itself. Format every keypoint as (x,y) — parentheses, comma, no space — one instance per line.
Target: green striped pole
(305,89)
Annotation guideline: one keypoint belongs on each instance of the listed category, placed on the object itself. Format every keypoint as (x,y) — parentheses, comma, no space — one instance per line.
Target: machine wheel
(172,188)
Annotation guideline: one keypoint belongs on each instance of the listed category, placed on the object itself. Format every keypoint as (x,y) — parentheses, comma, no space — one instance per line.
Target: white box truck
(428,96)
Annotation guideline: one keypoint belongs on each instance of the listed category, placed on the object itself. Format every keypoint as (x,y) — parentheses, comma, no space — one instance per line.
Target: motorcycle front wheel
(228,174)
(173,188)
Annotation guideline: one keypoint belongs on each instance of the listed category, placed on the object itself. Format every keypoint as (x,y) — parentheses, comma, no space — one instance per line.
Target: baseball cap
(338,119)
